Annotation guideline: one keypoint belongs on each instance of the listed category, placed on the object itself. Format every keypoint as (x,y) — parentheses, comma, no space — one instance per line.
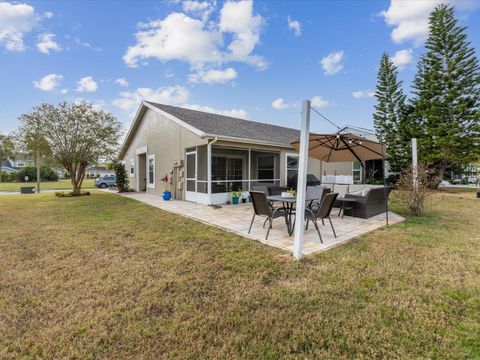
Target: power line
(331,122)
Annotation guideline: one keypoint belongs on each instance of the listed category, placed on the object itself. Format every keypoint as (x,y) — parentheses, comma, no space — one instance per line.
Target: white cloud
(363,94)
(15,21)
(332,63)
(48,14)
(280,104)
(46,43)
(87,84)
(319,102)
(49,82)
(237,18)
(295,26)
(177,37)
(122,82)
(402,58)
(64,91)
(238,113)
(198,8)
(99,105)
(410,18)
(198,42)
(213,76)
(173,95)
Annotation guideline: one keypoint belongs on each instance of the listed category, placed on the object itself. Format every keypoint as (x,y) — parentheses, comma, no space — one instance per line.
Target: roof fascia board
(249,141)
(130,131)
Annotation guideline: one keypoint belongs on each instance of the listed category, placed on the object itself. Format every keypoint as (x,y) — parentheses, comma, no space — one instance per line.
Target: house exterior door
(191,176)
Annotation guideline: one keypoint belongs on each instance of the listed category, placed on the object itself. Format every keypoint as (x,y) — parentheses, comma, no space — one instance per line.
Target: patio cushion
(341,189)
(359,193)
(355,187)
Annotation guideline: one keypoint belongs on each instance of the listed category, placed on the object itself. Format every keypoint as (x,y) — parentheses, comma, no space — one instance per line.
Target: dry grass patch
(107,277)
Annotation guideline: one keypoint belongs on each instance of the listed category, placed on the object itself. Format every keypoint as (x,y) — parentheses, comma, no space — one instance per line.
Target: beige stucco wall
(337,168)
(167,140)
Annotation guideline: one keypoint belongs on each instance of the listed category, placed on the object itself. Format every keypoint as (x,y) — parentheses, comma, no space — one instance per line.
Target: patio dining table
(289,205)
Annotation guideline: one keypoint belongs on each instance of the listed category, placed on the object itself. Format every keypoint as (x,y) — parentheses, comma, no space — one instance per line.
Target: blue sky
(252,59)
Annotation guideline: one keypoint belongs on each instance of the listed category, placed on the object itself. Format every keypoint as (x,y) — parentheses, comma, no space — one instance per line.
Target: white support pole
(302,181)
(209,171)
(415,164)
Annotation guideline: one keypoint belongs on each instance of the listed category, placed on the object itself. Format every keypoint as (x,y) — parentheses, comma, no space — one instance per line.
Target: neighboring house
(206,155)
(61,172)
(8,167)
(16,163)
(470,174)
(96,171)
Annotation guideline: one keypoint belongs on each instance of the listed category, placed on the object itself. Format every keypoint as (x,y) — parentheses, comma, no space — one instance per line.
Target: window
(151,171)
(292,168)
(20,164)
(132,168)
(357,172)
(266,167)
(227,173)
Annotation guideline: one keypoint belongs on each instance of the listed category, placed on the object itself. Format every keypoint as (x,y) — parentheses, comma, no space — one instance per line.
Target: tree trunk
(37,161)
(77,178)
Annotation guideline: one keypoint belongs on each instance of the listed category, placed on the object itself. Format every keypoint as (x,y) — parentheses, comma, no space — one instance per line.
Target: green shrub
(46,174)
(121,177)
(7,177)
(71,193)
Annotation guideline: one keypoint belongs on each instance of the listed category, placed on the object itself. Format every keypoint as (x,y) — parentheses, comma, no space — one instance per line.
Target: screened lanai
(212,174)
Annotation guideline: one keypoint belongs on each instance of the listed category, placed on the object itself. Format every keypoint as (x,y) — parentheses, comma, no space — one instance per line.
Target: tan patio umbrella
(343,147)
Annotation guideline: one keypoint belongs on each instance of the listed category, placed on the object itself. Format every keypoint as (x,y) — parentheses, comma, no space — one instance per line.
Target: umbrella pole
(302,182)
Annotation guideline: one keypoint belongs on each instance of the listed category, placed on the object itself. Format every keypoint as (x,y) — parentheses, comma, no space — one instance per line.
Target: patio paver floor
(236,218)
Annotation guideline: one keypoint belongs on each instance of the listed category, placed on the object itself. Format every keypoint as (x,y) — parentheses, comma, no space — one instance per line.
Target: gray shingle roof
(221,125)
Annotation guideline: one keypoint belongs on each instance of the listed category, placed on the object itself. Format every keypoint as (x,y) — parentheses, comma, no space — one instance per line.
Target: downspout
(209,169)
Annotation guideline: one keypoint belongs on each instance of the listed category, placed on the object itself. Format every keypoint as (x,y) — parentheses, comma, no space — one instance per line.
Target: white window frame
(286,164)
(357,170)
(132,167)
(149,184)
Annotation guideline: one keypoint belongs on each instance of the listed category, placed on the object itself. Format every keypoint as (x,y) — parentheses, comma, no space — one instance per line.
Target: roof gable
(206,124)
(226,126)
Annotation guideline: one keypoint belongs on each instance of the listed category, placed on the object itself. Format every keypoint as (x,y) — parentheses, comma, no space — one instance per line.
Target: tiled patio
(236,218)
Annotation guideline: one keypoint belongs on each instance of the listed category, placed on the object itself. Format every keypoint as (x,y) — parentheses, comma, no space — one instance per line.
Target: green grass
(48,185)
(103,276)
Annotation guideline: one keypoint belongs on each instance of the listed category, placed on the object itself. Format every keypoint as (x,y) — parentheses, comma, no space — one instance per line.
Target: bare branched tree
(414,188)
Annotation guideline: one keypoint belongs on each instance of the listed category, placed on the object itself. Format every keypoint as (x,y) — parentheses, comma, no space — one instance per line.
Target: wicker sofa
(370,199)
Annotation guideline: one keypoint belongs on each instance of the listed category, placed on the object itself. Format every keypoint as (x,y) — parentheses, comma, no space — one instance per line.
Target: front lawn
(103,276)
(63,184)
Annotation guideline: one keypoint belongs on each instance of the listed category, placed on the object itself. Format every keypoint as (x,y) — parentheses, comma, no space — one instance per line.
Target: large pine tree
(447,95)
(390,117)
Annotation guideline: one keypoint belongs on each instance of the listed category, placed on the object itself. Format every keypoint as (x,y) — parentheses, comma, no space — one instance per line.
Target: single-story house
(95,171)
(16,163)
(206,155)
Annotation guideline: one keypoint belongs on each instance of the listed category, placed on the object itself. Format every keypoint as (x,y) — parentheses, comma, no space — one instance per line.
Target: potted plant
(236,195)
(167,194)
